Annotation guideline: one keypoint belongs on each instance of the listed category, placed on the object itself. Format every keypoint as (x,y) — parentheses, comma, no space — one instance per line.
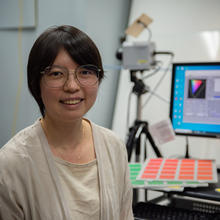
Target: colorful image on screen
(197,88)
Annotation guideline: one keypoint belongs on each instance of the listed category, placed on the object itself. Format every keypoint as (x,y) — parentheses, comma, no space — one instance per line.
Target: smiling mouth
(71,102)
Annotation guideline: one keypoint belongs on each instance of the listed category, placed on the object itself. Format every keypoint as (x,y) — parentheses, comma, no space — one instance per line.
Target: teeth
(72,102)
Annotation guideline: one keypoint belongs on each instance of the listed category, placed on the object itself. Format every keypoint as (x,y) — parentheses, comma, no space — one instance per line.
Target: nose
(71,84)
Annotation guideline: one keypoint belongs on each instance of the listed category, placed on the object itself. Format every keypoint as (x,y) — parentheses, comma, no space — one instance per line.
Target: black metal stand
(134,142)
(139,129)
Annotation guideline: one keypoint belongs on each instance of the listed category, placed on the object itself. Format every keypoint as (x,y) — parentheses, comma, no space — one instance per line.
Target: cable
(164,53)
(154,72)
(128,110)
(159,97)
(161,79)
(150,34)
(21,72)
(187,148)
(146,27)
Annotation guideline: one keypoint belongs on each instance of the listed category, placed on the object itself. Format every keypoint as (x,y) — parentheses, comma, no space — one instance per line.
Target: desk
(201,199)
(192,203)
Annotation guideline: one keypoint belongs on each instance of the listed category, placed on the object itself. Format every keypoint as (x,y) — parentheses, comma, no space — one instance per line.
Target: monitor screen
(195,99)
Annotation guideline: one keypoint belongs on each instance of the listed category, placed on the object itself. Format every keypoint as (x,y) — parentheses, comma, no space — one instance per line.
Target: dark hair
(45,49)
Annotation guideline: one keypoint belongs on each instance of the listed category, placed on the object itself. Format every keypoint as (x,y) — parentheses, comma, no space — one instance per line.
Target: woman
(64,166)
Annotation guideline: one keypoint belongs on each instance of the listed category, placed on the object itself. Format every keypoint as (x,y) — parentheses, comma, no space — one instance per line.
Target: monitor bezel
(211,135)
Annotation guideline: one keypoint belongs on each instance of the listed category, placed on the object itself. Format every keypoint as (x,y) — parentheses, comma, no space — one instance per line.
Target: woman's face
(71,101)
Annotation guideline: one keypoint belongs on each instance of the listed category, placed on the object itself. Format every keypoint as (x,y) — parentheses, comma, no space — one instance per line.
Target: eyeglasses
(56,76)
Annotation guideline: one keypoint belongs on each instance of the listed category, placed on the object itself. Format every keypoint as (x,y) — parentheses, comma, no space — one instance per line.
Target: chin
(70,117)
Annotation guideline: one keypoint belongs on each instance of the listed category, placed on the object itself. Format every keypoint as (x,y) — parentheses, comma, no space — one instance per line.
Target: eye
(86,72)
(55,74)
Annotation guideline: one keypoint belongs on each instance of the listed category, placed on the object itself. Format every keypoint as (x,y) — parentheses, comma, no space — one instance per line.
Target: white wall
(190,29)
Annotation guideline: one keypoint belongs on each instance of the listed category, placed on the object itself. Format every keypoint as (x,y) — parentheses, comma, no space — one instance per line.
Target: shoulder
(16,157)
(22,138)
(18,147)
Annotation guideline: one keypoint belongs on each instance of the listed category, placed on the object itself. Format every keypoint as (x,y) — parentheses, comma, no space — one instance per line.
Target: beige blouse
(81,189)
(30,186)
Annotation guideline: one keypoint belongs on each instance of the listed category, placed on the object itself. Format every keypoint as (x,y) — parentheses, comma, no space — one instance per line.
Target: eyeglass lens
(56,76)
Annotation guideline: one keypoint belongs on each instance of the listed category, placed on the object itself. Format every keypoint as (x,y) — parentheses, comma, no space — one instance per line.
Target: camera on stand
(138,56)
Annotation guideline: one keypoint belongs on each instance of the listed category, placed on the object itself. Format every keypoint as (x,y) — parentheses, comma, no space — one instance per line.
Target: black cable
(164,53)
(187,148)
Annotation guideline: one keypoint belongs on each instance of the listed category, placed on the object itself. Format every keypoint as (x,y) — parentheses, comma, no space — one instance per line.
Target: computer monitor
(195,99)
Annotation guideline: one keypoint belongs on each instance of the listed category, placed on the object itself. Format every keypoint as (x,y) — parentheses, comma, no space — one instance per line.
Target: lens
(55,76)
(87,75)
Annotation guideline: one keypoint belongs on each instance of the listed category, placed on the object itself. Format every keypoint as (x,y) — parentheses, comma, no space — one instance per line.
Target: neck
(63,135)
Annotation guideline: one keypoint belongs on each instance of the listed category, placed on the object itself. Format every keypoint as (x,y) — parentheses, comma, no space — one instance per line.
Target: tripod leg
(138,150)
(137,159)
(155,148)
(130,145)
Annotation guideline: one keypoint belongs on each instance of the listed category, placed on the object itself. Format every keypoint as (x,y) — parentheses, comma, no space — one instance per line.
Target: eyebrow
(63,67)
(58,66)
